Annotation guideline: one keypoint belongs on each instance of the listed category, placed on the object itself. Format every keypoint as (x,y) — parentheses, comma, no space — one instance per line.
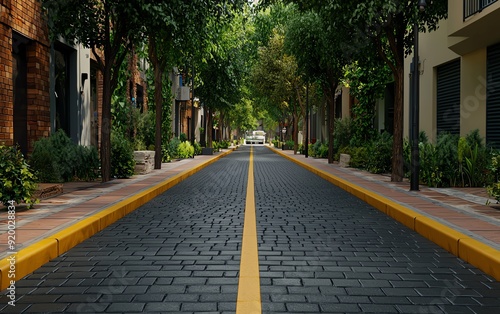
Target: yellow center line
(249,282)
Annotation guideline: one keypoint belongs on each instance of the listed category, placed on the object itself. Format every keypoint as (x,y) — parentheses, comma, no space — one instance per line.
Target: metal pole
(415,163)
(306,146)
(193,122)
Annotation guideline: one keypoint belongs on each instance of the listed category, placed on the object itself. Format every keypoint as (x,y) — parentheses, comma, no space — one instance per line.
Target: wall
(433,52)
(25,18)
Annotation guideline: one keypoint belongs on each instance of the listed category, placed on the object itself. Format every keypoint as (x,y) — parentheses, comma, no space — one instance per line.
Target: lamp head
(421,5)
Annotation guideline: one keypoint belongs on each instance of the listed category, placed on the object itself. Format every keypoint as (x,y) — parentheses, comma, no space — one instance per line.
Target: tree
(367,79)
(222,68)
(276,78)
(104,26)
(319,46)
(385,24)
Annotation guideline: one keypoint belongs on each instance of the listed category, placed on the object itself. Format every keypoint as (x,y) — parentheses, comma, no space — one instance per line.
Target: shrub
(224,144)
(173,148)
(87,159)
(320,149)
(186,150)
(430,171)
(197,148)
(359,156)
(47,167)
(302,149)
(494,191)
(183,137)
(315,148)
(473,160)
(122,156)
(289,144)
(63,151)
(494,167)
(343,133)
(447,156)
(58,159)
(17,181)
(215,146)
(380,154)
(145,131)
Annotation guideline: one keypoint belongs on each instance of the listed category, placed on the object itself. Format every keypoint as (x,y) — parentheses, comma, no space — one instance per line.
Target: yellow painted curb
(401,213)
(77,233)
(27,260)
(34,256)
(438,233)
(482,256)
(376,201)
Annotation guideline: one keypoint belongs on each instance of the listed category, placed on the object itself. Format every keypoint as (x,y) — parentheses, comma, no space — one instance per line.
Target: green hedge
(58,159)
(17,181)
(122,156)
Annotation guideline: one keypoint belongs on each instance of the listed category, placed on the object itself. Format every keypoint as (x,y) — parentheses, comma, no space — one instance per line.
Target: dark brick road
(320,250)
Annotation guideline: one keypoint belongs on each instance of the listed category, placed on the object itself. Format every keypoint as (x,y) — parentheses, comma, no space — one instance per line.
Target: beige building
(460,72)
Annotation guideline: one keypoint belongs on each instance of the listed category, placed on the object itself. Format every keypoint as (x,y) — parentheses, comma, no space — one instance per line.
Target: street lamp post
(306,145)
(415,104)
(193,112)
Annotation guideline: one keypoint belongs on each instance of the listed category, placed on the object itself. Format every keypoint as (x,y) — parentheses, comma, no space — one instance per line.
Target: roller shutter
(493,96)
(448,98)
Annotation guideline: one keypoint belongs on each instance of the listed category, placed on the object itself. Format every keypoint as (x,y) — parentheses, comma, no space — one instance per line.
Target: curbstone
(480,255)
(27,260)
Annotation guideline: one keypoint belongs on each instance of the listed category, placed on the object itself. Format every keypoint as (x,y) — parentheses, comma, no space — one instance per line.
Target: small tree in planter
(17,181)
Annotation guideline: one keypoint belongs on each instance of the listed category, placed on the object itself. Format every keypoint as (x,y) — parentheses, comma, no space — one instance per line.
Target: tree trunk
(209,128)
(397,47)
(221,127)
(397,146)
(106,125)
(295,134)
(330,109)
(153,56)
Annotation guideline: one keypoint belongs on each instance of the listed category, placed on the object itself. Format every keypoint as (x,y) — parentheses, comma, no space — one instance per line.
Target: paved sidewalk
(460,210)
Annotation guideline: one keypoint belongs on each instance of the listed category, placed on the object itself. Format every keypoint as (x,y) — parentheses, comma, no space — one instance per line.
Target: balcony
(469,30)
(472,7)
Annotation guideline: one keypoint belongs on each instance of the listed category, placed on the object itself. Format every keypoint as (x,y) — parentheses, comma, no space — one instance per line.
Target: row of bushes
(374,156)
(453,161)
(58,159)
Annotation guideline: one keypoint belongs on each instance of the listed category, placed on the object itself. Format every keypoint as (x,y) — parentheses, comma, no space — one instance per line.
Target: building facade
(24,74)
(44,86)
(460,73)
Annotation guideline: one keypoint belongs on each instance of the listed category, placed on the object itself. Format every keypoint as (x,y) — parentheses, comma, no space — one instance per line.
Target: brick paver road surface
(320,251)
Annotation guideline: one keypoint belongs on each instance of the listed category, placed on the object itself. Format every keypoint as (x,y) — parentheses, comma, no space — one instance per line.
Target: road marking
(249,282)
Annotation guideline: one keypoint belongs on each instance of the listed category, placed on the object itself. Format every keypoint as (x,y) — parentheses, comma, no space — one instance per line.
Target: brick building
(24,73)
(46,86)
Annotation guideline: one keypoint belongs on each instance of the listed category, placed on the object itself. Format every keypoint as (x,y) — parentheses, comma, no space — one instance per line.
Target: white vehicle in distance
(255,137)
